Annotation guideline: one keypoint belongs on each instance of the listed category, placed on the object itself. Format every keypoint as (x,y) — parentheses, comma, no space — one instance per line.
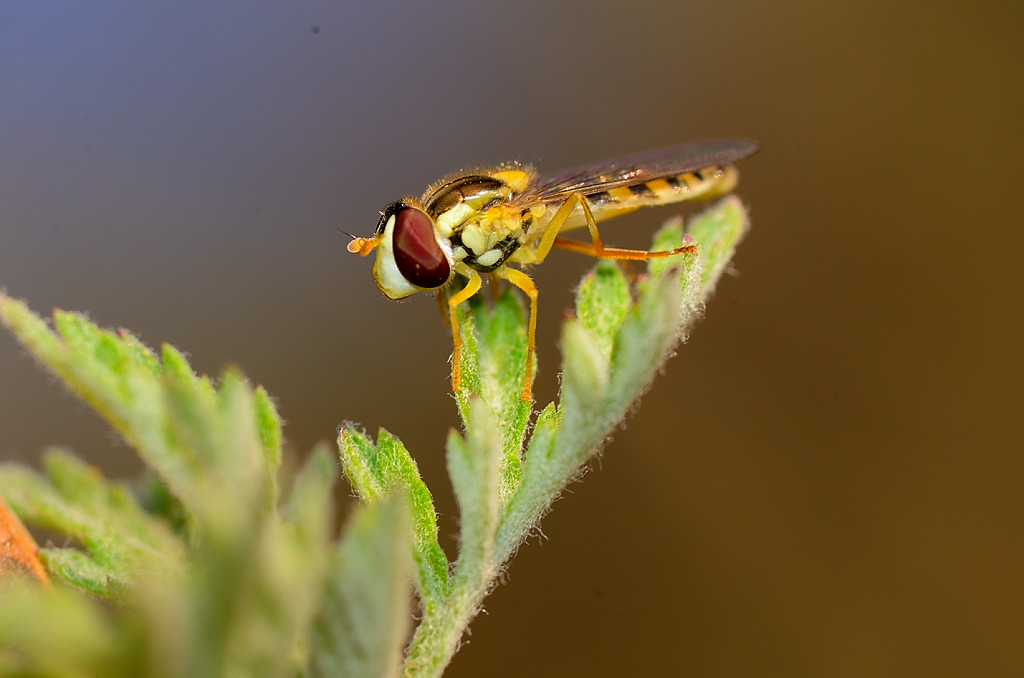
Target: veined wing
(637,170)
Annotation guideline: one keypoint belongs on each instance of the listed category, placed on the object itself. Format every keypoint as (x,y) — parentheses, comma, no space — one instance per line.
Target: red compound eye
(418,256)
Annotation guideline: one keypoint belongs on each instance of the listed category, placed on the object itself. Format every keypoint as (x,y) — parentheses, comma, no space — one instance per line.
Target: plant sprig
(222,576)
(613,348)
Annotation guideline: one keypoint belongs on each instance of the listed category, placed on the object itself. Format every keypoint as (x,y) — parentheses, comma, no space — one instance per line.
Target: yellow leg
(551,231)
(596,248)
(549,238)
(523,282)
(471,288)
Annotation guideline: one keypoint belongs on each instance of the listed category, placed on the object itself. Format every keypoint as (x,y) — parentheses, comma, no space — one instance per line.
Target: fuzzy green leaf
(236,597)
(121,541)
(602,301)
(197,437)
(270,585)
(494,353)
(257,591)
(474,467)
(378,471)
(268,428)
(56,632)
(364,618)
(718,231)
(613,352)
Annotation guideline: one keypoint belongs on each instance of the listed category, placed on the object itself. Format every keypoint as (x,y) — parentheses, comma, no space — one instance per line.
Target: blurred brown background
(826,481)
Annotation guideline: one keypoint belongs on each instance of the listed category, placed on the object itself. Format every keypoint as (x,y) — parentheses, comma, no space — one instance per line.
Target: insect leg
(523,282)
(596,248)
(547,239)
(471,288)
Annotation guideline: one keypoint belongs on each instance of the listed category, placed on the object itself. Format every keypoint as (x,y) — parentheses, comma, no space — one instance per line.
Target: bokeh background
(827,480)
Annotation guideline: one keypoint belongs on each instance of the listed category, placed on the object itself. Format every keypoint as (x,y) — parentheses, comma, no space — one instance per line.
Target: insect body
(485,221)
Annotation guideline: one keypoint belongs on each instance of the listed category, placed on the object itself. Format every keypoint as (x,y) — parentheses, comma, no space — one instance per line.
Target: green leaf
(650,331)
(57,632)
(364,619)
(268,587)
(613,351)
(621,335)
(235,592)
(474,467)
(213,579)
(378,471)
(200,439)
(602,302)
(718,231)
(121,542)
(494,355)
(268,428)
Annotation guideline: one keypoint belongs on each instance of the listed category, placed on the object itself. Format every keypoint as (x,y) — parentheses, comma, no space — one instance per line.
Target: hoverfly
(483,221)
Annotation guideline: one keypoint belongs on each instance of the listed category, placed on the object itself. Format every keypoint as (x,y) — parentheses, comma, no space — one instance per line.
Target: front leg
(525,283)
(471,288)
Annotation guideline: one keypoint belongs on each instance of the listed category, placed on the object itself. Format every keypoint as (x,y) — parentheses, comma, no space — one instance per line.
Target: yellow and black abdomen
(704,183)
(623,198)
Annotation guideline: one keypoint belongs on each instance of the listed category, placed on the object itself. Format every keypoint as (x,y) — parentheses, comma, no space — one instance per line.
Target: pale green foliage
(613,348)
(120,539)
(211,575)
(230,587)
(364,615)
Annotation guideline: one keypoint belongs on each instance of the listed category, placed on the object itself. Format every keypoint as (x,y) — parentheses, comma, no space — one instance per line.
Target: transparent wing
(634,169)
